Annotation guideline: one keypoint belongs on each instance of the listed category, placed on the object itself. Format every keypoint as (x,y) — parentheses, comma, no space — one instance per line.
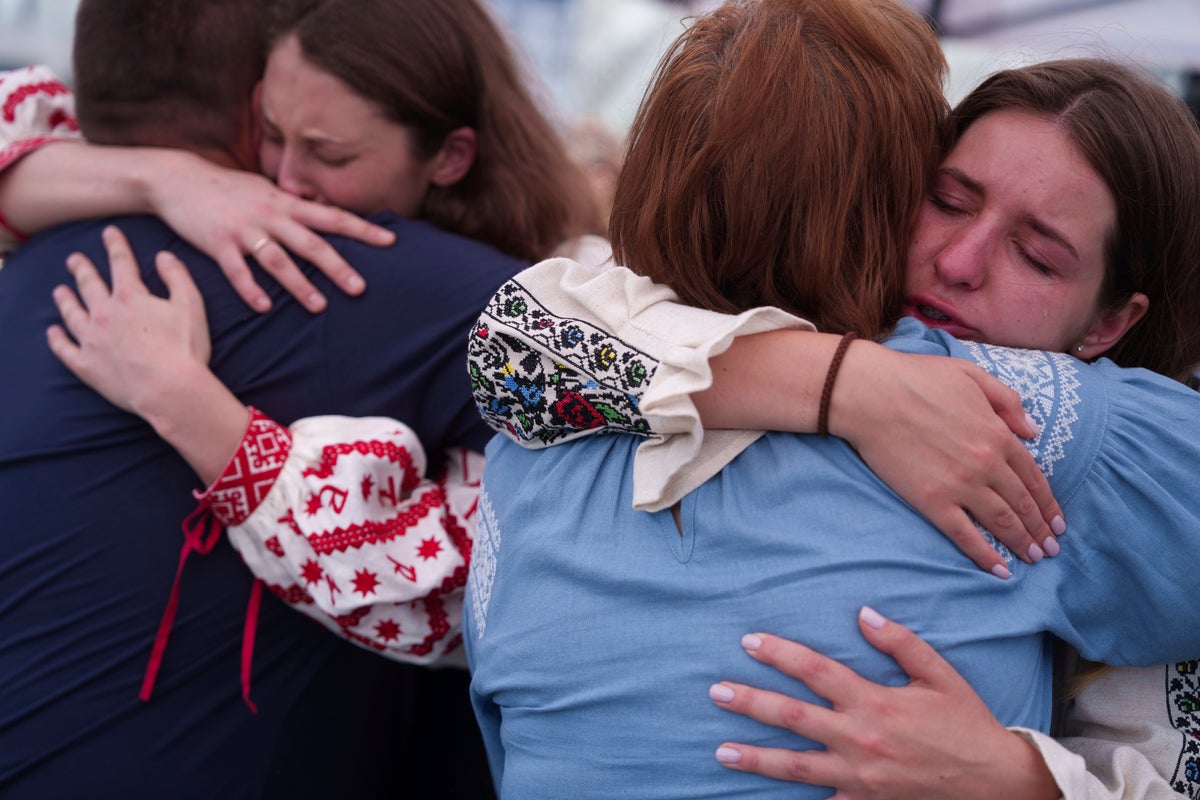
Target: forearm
(772,381)
(65,181)
(194,413)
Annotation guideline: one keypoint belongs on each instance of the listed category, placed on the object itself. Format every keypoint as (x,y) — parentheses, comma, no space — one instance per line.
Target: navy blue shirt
(92,500)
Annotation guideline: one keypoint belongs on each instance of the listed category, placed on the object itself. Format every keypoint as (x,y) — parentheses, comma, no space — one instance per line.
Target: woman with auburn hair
(996,256)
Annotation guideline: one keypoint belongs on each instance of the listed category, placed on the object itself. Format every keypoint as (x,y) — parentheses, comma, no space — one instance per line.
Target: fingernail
(355,284)
(871,617)
(315,302)
(1051,547)
(720,692)
(751,642)
(727,755)
(1035,553)
(73,259)
(1033,425)
(262,303)
(1002,572)
(1058,525)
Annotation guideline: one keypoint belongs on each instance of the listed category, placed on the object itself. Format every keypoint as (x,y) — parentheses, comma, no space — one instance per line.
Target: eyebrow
(1038,225)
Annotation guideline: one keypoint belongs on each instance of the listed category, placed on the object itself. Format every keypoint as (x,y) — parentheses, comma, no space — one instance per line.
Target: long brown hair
(1144,144)
(438,65)
(780,157)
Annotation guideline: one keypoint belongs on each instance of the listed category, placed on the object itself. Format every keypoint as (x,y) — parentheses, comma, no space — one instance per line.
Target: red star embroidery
(313,505)
(367,483)
(274,545)
(429,548)
(311,571)
(365,582)
(388,630)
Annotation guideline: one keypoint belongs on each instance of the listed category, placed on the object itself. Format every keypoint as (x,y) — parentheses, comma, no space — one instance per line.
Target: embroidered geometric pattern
(483,562)
(1047,384)
(251,472)
(1183,703)
(565,378)
(355,538)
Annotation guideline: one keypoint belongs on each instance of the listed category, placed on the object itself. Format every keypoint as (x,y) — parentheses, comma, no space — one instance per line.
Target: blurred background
(591,59)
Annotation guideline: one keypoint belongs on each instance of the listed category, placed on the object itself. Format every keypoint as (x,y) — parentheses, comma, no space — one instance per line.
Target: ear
(1111,326)
(455,157)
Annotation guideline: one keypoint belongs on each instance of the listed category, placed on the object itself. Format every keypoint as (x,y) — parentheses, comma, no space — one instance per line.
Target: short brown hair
(1144,144)
(437,65)
(780,158)
(167,71)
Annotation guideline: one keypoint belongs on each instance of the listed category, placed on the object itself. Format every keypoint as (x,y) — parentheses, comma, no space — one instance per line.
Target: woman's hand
(149,355)
(939,432)
(933,738)
(233,215)
(129,341)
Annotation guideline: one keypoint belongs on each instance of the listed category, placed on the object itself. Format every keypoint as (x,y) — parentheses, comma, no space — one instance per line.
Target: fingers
(64,349)
(830,679)
(321,254)
(911,652)
(777,710)
(814,767)
(233,264)
(122,264)
(91,287)
(73,314)
(179,283)
(330,219)
(957,526)
(273,258)
(1048,517)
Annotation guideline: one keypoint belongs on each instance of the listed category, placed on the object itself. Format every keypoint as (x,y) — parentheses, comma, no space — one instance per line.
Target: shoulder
(423,251)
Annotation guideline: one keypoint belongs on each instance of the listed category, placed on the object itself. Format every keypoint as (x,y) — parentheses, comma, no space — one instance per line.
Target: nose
(291,177)
(962,259)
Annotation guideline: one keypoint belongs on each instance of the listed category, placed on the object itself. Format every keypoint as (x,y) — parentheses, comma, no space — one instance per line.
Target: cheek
(350,188)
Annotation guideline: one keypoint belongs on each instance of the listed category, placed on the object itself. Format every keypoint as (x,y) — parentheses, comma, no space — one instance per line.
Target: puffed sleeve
(336,518)
(36,108)
(564,351)
(1131,737)
(1120,448)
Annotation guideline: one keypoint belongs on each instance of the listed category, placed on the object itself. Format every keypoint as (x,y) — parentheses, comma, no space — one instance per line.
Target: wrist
(194,413)
(152,176)
(851,412)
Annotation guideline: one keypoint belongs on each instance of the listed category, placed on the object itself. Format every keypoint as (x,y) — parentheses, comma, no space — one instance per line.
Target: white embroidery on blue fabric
(1047,384)
(483,561)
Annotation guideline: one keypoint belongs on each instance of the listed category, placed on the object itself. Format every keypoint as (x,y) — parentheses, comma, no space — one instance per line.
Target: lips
(937,315)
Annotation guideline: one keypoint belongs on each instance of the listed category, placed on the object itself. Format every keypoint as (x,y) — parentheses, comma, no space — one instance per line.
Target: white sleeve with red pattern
(35,108)
(337,520)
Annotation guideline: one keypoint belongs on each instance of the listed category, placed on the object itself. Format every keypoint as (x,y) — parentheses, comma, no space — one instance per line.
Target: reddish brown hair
(438,65)
(780,157)
(1144,144)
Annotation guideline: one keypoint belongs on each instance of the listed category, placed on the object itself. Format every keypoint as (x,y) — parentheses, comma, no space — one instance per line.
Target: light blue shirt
(594,631)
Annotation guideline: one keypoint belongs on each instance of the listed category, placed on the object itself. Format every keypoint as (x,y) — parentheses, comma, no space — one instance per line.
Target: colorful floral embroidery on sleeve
(544,379)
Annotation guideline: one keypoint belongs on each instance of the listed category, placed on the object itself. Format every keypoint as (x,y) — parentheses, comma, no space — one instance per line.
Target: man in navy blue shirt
(92,501)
